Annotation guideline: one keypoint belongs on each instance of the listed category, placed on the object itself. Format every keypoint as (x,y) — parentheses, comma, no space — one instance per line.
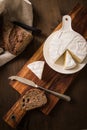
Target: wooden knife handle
(15,114)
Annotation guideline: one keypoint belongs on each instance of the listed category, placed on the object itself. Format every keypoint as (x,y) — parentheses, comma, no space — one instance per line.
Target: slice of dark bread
(33,98)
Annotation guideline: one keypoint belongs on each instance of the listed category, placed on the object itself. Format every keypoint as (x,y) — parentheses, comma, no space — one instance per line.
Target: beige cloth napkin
(16,10)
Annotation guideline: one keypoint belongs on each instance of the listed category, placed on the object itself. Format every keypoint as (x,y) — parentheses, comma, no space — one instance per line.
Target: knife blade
(31,83)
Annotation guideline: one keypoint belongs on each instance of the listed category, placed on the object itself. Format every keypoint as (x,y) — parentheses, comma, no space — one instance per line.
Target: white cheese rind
(78,48)
(69,61)
(71,41)
(59,43)
(37,68)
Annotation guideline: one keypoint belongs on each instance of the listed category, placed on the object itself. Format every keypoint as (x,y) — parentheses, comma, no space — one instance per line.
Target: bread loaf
(15,38)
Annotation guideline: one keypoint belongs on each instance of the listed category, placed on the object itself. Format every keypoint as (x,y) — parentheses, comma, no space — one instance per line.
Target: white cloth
(20,10)
(6,57)
(16,10)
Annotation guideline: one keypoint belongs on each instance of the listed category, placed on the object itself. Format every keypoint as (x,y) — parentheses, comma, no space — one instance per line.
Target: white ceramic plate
(53,38)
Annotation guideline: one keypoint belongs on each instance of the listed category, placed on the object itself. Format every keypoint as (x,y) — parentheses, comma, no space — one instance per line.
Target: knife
(31,83)
(27,27)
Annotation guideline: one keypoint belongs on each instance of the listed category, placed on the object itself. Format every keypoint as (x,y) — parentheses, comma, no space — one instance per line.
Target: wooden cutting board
(51,79)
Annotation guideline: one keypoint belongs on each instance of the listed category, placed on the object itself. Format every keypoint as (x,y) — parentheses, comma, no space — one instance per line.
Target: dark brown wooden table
(65,116)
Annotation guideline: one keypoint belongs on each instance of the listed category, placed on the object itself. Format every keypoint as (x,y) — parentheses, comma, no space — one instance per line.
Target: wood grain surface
(32,99)
(51,79)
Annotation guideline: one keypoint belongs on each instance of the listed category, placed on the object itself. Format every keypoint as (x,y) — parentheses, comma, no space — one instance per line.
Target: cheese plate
(62,40)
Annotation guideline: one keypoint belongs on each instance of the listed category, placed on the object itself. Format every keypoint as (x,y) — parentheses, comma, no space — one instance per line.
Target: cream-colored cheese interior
(69,61)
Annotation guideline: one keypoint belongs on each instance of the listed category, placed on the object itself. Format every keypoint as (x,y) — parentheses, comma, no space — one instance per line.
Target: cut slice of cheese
(37,68)
(69,61)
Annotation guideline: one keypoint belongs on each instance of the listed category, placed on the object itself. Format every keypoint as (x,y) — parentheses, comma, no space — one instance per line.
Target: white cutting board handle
(66,23)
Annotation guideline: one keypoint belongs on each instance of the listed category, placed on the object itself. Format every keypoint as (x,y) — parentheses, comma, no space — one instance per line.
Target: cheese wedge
(69,61)
(37,68)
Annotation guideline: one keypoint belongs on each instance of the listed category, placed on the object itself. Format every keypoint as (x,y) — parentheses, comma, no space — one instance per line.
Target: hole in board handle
(13,117)
(66,19)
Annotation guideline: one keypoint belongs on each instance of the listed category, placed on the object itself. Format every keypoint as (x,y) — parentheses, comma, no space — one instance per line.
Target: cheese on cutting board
(37,68)
(69,61)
